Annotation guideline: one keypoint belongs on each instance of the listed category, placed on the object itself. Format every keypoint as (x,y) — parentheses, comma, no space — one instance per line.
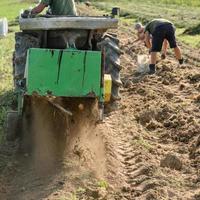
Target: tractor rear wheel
(23,41)
(110,44)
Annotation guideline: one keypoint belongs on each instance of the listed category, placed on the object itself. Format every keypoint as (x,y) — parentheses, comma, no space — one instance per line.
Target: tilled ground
(148,148)
(157,126)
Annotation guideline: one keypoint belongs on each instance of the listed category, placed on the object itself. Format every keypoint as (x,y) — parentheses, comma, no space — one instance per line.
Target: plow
(63,58)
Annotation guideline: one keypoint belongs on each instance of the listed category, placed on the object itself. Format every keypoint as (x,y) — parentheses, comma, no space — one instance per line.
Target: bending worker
(157,34)
(56,7)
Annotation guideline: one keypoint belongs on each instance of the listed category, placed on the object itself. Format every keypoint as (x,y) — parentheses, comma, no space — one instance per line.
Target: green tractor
(63,57)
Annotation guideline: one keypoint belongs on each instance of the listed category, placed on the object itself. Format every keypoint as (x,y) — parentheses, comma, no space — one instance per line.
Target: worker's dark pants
(164,31)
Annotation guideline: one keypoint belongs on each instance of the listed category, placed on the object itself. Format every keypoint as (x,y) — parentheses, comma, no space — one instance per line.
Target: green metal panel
(70,73)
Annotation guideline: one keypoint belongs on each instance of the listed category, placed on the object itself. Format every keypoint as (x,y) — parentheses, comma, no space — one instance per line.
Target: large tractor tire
(23,41)
(110,45)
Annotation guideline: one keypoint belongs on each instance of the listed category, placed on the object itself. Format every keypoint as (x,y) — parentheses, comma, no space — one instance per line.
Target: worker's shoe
(152,69)
(181,61)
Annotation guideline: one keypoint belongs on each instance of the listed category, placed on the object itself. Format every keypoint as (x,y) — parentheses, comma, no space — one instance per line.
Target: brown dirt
(148,148)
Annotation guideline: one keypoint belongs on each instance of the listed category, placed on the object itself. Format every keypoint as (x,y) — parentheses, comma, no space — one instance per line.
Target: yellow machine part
(107,87)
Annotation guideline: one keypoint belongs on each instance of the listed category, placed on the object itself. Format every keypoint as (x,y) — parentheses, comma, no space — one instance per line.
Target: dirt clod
(194,78)
(128,83)
(171,161)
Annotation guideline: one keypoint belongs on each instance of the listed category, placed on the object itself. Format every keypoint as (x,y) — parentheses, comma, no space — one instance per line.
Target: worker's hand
(26,14)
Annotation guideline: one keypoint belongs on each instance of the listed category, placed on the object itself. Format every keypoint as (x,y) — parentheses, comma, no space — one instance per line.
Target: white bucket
(3,27)
(143,64)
